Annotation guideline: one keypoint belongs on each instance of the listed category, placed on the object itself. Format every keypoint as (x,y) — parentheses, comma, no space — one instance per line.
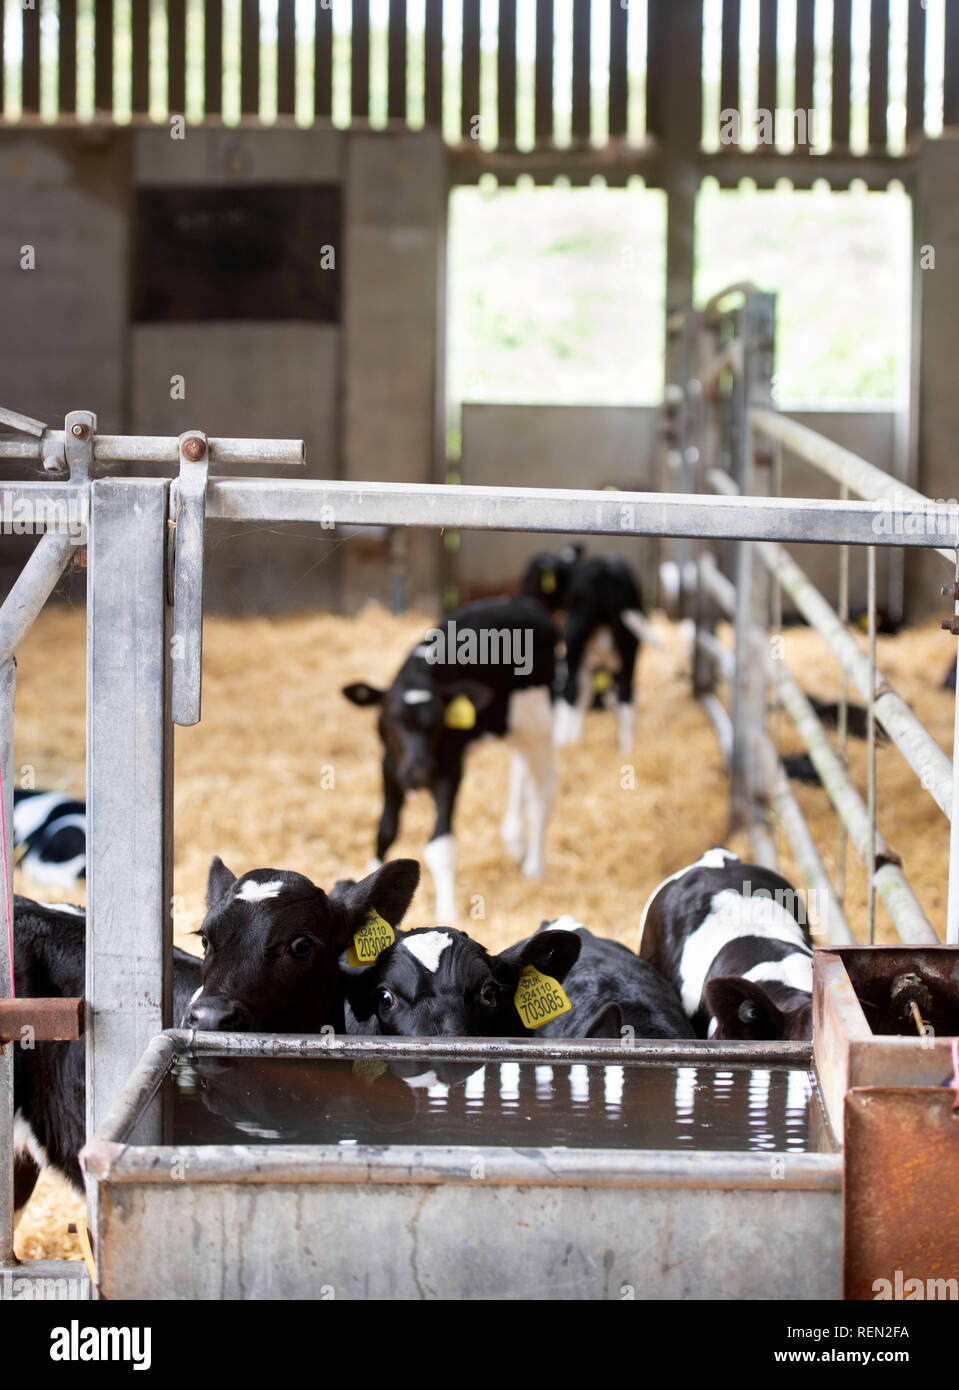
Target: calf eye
(301,947)
(489,995)
(204,942)
(385,997)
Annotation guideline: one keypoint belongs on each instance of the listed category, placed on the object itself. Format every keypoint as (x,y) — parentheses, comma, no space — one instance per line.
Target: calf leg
(513,829)
(390,819)
(530,720)
(26,1171)
(574,697)
(627,646)
(440,853)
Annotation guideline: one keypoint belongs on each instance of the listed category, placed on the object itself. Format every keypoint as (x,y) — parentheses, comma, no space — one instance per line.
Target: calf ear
(551,952)
(219,881)
(362,694)
(743,1010)
(608,1023)
(389,891)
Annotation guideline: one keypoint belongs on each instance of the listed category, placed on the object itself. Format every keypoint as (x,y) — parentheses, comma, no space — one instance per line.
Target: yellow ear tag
(539,998)
(460,713)
(375,936)
(547,581)
(602,680)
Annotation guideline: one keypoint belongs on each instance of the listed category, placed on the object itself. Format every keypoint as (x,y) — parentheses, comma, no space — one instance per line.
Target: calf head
(745,1009)
(440,982)
(548,576)
(272,942)
(413,718)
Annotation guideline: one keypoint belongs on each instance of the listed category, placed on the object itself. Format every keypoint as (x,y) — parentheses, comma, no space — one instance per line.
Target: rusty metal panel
(901,1191)
(52,1020)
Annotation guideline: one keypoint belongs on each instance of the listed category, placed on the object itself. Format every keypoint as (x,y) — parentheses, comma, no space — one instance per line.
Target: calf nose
(215,1015)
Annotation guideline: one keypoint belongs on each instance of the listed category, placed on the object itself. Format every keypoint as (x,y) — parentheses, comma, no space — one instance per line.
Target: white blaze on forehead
(252,892)
(428,948)
(566,923)
(794,971)
(417,697)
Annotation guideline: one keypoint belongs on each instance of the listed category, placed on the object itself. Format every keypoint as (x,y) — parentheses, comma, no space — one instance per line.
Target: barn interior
(281,220)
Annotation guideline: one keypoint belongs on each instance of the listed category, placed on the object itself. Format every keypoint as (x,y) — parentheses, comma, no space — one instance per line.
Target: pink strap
(6,888)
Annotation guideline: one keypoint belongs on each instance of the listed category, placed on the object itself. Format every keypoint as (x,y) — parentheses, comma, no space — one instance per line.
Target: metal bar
(950,94)
(618,74)
(543,80)
(145,448)
(878,74)
(286,57)
(871,748)
(506,74)
(917,746)
(470,79)
(212,58)
(51,1020)
(768,53)
(250,57)
(140,56)
(729,79)
(322,60)
(786,809)
(103,56)
(548,509)
(805,56)
(66,61)
(34,507)
(433,63)
(841,72)
(30,61)
(581,71)
(721,723)
(188,501)
(916,71)
(360,60)
(396,61)
(861,476)
(31,589)
(176,56)
(952,905)
(657,20)
(129,805)
(3,61)
(8,685)
(24,423)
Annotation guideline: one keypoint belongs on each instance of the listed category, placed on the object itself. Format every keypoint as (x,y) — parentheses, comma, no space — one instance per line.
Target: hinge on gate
(188,507)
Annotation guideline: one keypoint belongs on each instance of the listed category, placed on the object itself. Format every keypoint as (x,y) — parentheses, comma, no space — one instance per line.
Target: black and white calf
(438,981)
(600,596)
(50,837)
(49,1086)
(732,938)
(487,669)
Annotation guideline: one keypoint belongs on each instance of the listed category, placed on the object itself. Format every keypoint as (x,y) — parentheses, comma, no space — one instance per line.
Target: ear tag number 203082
(370,940)
(539,998)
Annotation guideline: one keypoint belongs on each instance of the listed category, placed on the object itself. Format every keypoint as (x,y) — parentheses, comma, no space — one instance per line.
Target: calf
(488,669)
(437,981)
(48,1078)
(50,837)
(601,598)
(732,938)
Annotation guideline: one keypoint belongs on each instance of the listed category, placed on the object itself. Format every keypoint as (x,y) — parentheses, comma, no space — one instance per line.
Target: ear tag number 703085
(539,998)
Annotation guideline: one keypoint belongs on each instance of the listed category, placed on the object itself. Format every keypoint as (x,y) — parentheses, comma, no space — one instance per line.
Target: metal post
(843,698)
(8,681)
(129,747)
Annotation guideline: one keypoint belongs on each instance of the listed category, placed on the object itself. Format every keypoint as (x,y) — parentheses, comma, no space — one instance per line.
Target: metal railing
(721,420)
(144,590)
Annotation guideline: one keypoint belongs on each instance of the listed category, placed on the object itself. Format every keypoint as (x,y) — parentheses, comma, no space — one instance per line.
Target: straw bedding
(283,772)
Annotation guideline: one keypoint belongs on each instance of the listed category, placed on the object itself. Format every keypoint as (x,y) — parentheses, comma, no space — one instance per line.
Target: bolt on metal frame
(144,589)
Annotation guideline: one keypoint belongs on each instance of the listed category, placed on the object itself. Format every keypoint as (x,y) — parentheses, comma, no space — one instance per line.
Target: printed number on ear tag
(370,940)
(547,581)
(602,680)
(460,713)
(539,998)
